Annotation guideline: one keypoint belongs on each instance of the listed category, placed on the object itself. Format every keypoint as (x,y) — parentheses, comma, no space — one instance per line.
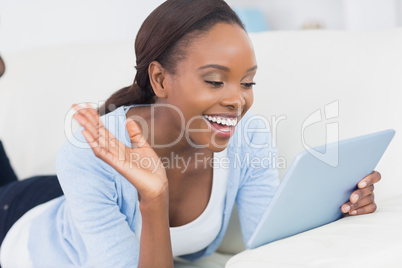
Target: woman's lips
(223,126)
(222,119)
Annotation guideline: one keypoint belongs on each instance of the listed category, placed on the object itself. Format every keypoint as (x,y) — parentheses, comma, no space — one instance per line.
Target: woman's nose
(233,98)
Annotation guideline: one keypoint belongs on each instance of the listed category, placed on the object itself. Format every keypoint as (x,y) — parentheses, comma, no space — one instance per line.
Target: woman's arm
(150,182)
(259,183)
(155,245)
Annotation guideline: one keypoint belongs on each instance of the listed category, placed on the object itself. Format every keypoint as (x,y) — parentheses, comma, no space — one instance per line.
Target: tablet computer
(312,192)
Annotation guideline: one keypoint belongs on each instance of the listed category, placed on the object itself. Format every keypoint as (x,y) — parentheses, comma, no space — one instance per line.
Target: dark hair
(2,67)
(162,37)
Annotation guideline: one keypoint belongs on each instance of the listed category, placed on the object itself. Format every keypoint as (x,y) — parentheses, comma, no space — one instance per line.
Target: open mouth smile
(223,126)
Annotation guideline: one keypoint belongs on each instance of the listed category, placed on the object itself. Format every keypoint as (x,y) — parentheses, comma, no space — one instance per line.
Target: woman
(146,186)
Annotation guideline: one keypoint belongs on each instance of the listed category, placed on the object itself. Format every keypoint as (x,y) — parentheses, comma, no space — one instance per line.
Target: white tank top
(199,233)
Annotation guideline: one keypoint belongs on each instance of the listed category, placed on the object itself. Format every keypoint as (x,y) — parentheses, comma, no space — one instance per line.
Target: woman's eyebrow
(252,69)
(215,66)
(223,68)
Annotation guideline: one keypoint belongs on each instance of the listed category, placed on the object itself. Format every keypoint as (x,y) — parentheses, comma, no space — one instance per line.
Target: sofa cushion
(372,240)
(299,73)
(38,89)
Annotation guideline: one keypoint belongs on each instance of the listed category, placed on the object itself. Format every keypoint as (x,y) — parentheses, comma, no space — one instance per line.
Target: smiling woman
(163,161)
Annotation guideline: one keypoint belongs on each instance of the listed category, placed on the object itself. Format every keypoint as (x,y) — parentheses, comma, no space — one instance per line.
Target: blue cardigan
(93,224)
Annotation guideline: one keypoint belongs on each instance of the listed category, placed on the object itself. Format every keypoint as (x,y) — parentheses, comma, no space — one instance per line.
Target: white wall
(26,24)
(371,14)
(292,14)
(333,14)
(399,12)
(38,23)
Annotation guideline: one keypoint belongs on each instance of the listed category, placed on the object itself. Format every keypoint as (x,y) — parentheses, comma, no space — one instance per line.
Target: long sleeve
(92,200)
(260,179)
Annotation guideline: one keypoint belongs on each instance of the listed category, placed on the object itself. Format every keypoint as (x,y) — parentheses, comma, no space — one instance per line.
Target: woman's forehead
(223,44)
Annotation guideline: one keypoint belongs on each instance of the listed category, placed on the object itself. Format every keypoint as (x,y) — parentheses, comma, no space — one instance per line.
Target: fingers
(360,193)
(362,200)
(370,208)
(87,111)
(135,134)
(371,179)
(89,126)
(358,199)
(88,114)
(142,169)
(364,205)
(87,120)
(366,209)
(94,131)
(92,142)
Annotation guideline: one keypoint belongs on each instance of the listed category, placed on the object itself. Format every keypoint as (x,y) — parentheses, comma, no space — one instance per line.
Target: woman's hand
(140,165)
(362,200)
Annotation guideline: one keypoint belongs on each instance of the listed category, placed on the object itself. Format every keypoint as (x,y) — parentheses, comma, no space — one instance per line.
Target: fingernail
(354,198)
(353,212)
(363,184)
(346,208)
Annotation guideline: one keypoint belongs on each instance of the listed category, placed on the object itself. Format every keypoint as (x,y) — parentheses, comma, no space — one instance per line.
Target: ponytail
(126,96)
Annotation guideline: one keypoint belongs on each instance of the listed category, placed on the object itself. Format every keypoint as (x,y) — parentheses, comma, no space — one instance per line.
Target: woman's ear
(157,74)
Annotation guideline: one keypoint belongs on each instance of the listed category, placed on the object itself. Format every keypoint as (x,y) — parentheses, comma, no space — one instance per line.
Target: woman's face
(212,86)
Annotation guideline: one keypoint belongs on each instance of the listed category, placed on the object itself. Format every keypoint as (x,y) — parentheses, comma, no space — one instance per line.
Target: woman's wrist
(155,245)
(157,203)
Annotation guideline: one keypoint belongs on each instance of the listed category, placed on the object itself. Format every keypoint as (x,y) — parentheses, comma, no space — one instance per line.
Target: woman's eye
(248,85)
(214,83)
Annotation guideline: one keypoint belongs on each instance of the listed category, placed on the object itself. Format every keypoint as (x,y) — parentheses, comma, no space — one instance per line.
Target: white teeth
(222,120)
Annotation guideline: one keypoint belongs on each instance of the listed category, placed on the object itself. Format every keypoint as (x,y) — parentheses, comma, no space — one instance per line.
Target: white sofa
(299,73)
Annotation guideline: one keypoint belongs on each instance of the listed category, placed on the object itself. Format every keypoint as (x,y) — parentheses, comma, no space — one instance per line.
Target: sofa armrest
(372,240)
